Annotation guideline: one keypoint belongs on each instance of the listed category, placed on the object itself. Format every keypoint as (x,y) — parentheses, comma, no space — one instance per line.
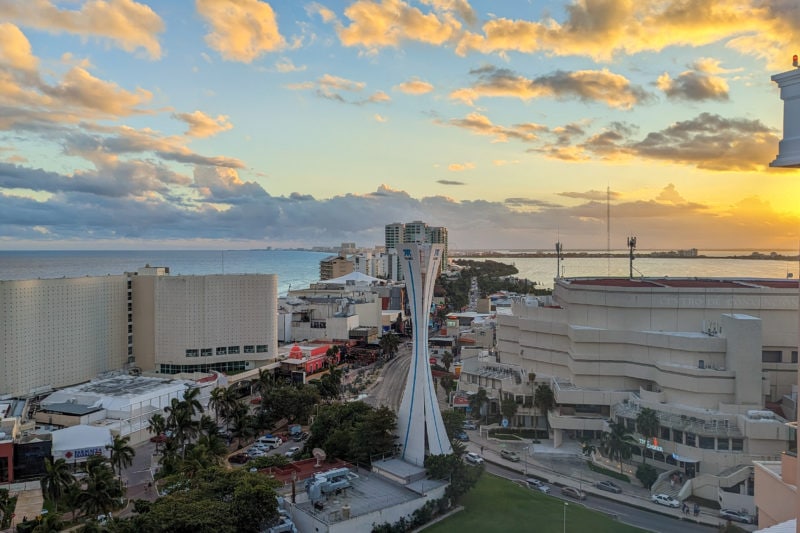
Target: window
(233,350)
(130,339)
(222,350)
(130,328)
(707,443)
(318,324)
(261,348)
(665,433)
(249,348)
(737,445)
(690,439)
(191,353)
(205,352)
(794,356)
(677,436)
(770,356)
(723,444)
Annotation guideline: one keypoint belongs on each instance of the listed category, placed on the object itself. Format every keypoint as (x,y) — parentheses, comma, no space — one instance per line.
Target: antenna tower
(559,249)
(608,230)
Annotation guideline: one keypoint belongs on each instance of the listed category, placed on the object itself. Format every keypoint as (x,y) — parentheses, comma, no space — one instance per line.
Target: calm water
(294,268)
(543,270)
(298,269)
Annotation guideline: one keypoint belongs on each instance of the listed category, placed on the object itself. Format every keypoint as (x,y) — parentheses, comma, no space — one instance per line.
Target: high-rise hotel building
(59,332)
(418,232)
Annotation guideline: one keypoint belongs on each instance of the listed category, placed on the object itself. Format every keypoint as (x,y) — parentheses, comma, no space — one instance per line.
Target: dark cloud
(694,86)
(450,182)
(528,202)
(711,142)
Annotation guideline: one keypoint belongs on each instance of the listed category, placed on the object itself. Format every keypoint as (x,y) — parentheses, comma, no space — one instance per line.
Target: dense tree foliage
(647,474)
(354,431)
(544,400)
(492,276)
(461,476)
(215,500)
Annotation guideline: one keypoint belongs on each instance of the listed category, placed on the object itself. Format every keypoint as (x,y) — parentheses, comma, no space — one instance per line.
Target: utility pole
(631,247)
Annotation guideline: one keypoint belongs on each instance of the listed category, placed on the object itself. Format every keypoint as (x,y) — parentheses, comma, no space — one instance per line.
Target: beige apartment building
(60,332)
(706,354)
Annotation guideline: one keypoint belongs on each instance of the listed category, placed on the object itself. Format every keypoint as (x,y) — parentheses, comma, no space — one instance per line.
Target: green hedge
(612,473)
(524,433)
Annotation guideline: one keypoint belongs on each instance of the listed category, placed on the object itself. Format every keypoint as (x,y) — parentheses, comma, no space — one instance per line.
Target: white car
(538,485)
(255,452)
(665,499)
(294,450)
(473,458)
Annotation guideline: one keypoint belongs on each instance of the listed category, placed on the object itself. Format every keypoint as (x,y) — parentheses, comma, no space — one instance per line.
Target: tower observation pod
(419,420)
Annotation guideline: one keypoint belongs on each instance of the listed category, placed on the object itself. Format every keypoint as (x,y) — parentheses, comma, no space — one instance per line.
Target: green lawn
(496,504)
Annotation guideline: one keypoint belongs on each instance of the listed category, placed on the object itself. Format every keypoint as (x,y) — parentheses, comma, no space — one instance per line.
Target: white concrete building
(59,332)
(705,354)
(56,332)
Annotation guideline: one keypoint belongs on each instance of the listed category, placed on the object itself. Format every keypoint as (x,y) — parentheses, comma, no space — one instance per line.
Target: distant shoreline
(772,256)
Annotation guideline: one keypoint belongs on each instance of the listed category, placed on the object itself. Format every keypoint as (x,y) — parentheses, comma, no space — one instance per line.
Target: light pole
(565,517)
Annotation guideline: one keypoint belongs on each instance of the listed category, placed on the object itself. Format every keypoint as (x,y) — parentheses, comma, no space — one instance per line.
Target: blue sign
(505,422)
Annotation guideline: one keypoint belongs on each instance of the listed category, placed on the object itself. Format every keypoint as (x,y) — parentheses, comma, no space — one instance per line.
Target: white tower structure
(419,416)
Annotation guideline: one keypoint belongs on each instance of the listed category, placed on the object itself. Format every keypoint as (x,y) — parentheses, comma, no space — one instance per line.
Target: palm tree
(242,424)
(545,401)
(389,343)
(191,397)
(57,479)
(447,359)
(478,402)
(102,491)
(121,453)
(158,425)
(217,401)
(647,425)
(617,443)
(264,382)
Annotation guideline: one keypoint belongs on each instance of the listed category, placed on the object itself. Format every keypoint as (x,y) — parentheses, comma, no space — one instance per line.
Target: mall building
(716,360)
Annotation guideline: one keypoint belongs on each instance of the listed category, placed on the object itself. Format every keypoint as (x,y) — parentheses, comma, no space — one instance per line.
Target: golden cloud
(388,23)
(241,30)
(588,85)
(15,49)
(414,86)
(127,24)
(78,88)
(481,125)
(460,167)
(202,125)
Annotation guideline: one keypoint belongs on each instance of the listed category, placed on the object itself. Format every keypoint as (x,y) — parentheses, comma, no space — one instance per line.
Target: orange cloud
(460,167)
(388,23)
(15,49)
(481,125)
(414,86)
(241,30)
(125,23)
(79,88)
(202,125)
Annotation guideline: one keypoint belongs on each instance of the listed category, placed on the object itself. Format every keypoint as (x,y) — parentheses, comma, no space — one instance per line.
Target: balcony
(717,426)
(567,418)
(567,393)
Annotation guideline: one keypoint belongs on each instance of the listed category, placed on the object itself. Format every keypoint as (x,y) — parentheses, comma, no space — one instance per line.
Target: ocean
(295,269)
(298,269)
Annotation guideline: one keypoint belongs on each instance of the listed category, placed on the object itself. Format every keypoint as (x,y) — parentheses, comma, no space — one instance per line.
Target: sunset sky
(245,124)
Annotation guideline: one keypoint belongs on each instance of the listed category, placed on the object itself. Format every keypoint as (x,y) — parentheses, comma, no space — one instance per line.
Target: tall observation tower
(419,416)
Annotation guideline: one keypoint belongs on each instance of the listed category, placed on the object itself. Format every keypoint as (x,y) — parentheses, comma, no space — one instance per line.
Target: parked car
(264,447)
(273,440)
(463,437)
(300,436)
(239,458)
(473,458)
(736,516)
(469,424)
(294,450)
(509,455)
(537,485)
(664,499)
(160,438)
(609,486)
(255,452)
(572,492)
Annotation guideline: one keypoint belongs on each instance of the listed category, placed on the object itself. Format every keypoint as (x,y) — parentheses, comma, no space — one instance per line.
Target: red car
(159,439)
(239,458)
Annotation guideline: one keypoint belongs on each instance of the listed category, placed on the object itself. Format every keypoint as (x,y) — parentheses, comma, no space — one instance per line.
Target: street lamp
(565,517)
